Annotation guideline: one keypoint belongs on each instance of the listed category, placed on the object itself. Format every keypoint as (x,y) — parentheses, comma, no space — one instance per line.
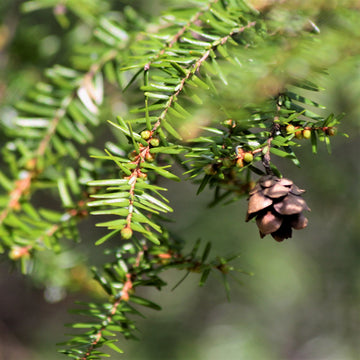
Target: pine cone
(278,207)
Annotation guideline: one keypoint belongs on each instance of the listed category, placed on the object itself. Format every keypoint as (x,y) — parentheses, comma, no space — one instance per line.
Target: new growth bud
(126,233)
(154,142)
(145,134)
(248,157)
(306,134)
(290,129)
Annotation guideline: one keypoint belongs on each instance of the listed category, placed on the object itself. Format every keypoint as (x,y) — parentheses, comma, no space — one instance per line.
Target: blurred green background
(303,300)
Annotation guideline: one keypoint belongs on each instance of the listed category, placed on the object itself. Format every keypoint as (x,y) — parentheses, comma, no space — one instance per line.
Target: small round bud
(290,129)
(154,142)
(145,134)
(239,163)
(228,122)
(149,157)
(31,164)
(331,131)
(126,233)
(306,134)
(299,134)
(248,157)
(18,252)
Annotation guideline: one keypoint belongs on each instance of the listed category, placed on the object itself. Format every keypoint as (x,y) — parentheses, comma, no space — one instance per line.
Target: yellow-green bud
(331,131)
(126,233)
(306,134)
(145,134)
(18,252)
(248,157)
(155,141)
(290,129)
(228,122)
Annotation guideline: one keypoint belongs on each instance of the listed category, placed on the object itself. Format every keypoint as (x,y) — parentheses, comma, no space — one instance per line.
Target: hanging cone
(277,206)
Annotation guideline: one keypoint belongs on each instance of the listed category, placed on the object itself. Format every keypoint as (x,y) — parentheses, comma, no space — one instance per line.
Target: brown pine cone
(278,207)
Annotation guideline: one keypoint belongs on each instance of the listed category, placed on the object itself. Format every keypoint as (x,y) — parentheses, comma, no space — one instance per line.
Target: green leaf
(144,302)
(203,184)
(303,100)
(112,195)
(152,107)
(132,135)
(174,149)
(281,153)
(195,248)
(227,286)
(201,44)
(64,193)
(134,77)
(161,171)
(218,70)
(223,16)
(112,346)
(308,85)
(178,68)
(148,234)
(5,182)
(314,142)
(204,276)
(156,202)
(107,237)
(119,164)
(143,219)
(170,129)
(206,252)
(328,145)
(156,96)
(110,202)
(199,82)
(110,182)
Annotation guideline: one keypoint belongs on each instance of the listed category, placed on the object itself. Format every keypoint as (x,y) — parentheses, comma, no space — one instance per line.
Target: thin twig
(274,130)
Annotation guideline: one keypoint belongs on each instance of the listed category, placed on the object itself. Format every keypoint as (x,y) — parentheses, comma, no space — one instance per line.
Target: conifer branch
(23,186)
(144,151)
(176,37)
(220,49)
(135,269)
(124,297)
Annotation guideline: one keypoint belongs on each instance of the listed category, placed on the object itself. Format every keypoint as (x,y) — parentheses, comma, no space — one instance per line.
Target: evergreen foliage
(220,89)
